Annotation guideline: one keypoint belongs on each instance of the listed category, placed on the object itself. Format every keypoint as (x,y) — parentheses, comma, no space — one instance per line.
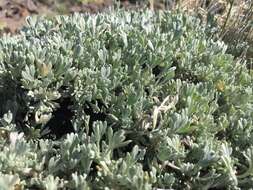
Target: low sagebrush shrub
(123,100)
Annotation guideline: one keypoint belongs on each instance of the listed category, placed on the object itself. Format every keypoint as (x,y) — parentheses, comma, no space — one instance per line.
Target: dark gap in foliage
(222,103)
(95,115)
(207,3)
(185,75)
(121,152)
(157,70)
(93,169)
(223,108)
(215,188)
(249,66)
(35,187)
(221,135)
(148,158)
(60,123)
(146,89)
(21,116)
(118,90)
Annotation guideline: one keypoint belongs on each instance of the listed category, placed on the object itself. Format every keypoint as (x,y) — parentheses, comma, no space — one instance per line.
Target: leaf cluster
(123,100)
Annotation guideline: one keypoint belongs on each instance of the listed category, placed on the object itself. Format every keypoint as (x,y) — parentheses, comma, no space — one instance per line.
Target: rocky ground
(14,12)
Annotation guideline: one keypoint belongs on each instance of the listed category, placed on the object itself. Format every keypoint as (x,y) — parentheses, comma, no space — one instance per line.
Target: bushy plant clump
(123,100)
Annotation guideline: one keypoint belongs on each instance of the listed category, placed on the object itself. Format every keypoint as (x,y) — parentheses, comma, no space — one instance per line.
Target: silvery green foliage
(8,182)
(156,104)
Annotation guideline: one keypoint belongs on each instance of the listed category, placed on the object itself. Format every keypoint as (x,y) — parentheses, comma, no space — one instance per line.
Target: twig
(227,17)
(151,3)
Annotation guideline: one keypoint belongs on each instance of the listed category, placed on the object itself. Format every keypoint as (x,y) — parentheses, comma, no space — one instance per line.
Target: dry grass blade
(168,103)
